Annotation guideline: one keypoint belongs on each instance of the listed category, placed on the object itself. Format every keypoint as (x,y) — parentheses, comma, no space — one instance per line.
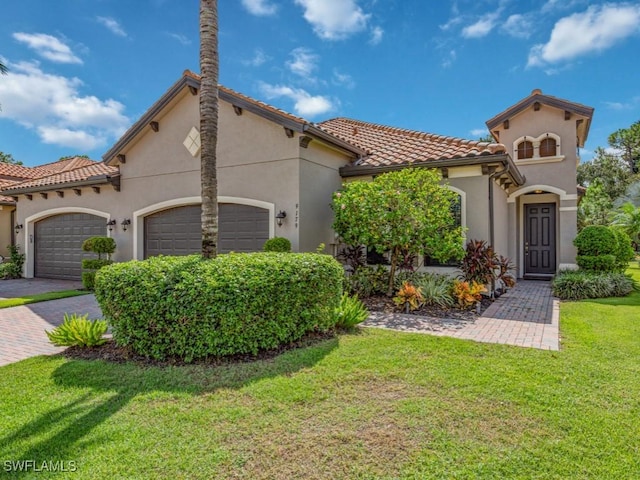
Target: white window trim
(139,216)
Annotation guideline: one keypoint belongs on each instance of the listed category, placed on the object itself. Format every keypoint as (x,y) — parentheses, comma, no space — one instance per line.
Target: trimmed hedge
(277,244)
(191,308)
(578,285)
(603,249)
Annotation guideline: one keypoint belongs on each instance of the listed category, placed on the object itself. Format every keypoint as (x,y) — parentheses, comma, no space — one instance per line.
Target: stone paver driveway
(527,316)
(22,328)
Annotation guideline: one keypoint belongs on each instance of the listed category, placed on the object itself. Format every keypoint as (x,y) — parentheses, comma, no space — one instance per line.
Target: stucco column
(568,231)
(512,241)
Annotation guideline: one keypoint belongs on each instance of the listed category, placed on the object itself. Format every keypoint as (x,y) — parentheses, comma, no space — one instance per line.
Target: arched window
(548,147)
(525,149)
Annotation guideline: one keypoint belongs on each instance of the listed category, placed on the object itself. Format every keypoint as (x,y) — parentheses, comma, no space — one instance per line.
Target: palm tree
(628,217)
(209,125)
(3,69)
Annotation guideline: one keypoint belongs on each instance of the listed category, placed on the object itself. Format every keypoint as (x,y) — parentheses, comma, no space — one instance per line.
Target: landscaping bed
(385,304)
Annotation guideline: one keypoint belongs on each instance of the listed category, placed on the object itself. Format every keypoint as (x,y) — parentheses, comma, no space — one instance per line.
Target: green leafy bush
(277,244)
(191,308)
(12,268)
(367,281)
(599,263)
(436,290)
(78,331)
(578,285)
(350,312)
(624,252)
(603,249)
(100,245)
(595,240)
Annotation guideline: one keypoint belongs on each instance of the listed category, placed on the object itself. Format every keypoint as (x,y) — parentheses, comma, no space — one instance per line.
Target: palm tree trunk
(209,125)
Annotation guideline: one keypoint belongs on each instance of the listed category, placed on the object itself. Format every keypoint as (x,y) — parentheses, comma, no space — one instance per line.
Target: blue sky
(82,71)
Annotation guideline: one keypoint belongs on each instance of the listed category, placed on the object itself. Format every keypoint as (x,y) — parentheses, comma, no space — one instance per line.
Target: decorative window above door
(541,149)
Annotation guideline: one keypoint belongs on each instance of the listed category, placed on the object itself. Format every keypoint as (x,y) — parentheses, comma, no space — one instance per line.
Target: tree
(627,141)
(3,69)
(631,195)
(8,158)
(595,207)
(487,138)
(628,217)
(609,169)
(403,211)
(209,125)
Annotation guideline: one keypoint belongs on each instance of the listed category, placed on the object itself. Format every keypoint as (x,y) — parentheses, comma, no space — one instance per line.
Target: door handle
(526,248)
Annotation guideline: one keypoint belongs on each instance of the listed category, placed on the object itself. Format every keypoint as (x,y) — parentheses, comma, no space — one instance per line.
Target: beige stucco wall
(5,229)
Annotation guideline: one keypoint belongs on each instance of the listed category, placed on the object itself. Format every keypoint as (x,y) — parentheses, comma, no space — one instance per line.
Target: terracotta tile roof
(6,200)
(397,146)
(64,164)
(77,174)
(17,171)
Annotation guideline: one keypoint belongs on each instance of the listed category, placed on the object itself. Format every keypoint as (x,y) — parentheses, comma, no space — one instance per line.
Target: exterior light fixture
(280,217)
(18,227)
(125,223)
(110,224)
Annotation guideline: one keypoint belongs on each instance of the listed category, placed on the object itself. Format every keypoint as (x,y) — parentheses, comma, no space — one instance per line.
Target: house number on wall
(297,212)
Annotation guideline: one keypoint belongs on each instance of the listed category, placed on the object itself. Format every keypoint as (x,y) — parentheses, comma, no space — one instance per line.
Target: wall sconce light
(18,227)
(125,223)
(280,217)
(110,224)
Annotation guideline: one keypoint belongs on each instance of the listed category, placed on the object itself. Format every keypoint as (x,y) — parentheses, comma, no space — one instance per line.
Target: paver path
(526,316)
(22,328)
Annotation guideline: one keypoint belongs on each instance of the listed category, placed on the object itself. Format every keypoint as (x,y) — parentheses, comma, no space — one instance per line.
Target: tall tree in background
(8,158)
(609,169)
(209,125)
(627,141)
(595,207)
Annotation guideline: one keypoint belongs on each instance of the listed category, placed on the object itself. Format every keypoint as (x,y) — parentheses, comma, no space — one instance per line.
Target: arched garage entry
(57,243)
(242,227)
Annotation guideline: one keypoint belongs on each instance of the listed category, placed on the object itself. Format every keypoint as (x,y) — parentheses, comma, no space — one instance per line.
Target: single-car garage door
(58,244)
(242,228)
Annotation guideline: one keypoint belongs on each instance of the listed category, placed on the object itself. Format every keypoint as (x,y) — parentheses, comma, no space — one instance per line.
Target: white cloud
(554,5)
(595,30)
(518,26)
(48,47)
(261,8)
(376,35)
(113,25)
(304,62)
(305,104)
(449,59)
(53,106)
(628,105)
(479,132)
(342,79)
(259,58)
(183,39)
(334,19)
(482,27)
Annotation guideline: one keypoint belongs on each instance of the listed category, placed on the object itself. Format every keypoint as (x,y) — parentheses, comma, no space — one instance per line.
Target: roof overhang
(502,161)
(103,179)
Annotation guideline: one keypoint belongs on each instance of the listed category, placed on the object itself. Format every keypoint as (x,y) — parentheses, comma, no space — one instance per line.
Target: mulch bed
(382,303)
(110,352)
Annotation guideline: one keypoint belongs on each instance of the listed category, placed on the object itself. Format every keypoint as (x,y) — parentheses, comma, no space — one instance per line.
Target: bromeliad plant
(350,312)
(78,331)
(409,297)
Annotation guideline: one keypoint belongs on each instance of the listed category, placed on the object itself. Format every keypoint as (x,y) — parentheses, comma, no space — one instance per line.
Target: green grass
(377,404)
(40,297)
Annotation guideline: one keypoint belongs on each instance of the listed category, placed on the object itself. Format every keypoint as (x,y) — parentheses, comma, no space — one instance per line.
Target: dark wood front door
(540,239)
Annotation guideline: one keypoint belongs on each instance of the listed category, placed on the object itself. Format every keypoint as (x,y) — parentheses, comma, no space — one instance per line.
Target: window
(456,212)
(548,147)
(525,149)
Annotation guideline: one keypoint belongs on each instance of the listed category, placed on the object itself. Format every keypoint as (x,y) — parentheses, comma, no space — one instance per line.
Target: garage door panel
(177,231)
(58,244)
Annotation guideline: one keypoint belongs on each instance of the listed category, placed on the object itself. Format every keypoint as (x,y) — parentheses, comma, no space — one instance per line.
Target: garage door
(242,228)
(58,244)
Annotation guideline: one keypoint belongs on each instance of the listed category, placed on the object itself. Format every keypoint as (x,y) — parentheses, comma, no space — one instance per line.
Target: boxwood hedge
(235,304)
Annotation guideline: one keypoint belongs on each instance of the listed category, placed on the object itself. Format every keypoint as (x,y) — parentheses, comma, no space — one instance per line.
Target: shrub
(436,290)
(467,294)
(355,256)
(578,285)
(100,245)
(191,308)
(78,331)
(479,262)
(367,281)
(407,276)
(350,312)
(595,240)
(12,268)
(409,297)
(597,263)
(624,250)
(277,244)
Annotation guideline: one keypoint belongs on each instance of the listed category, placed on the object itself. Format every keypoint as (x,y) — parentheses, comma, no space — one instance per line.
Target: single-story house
(276,175)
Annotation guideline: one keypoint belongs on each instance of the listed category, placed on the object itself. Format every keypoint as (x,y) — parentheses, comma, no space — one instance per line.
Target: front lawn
(376,404)
(40,297)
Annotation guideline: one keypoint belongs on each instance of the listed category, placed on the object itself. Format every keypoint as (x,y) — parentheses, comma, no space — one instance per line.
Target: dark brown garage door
(242,228)
(58,244)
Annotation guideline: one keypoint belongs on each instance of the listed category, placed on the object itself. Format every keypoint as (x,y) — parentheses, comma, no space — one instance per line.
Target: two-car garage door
(177,231)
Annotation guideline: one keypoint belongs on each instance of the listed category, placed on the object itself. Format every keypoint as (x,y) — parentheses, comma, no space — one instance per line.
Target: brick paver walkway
(22,328)
(527,316)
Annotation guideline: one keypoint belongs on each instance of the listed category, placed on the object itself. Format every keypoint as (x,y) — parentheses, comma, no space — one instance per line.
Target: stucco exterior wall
(5,229)
(502,229)
(477,205)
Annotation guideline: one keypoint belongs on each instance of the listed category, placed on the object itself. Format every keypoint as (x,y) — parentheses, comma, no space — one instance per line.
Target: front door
(540,239)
